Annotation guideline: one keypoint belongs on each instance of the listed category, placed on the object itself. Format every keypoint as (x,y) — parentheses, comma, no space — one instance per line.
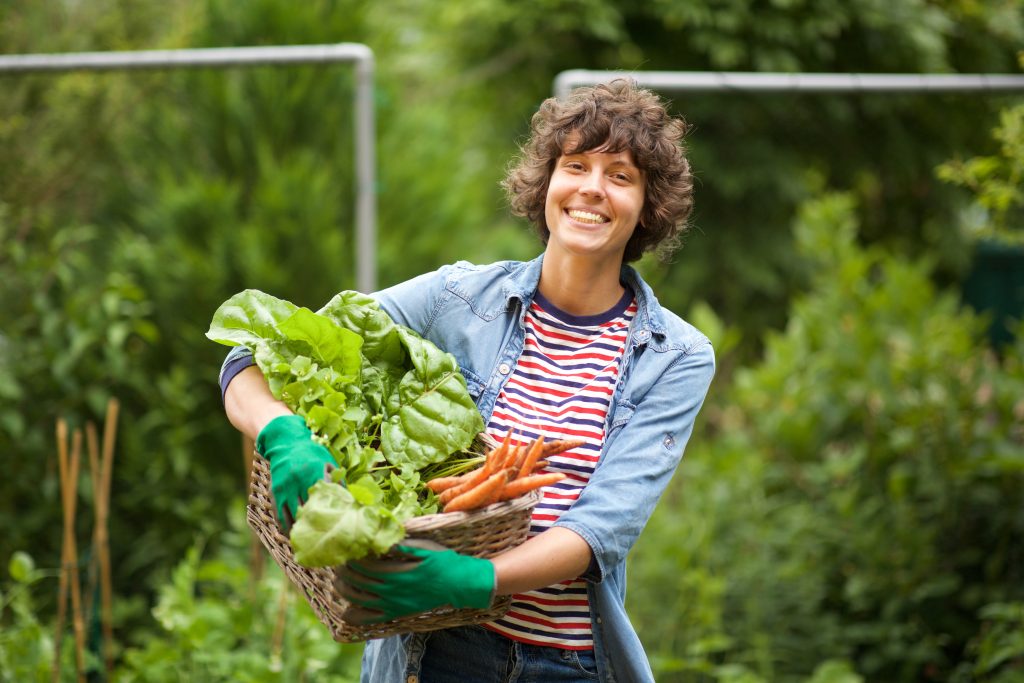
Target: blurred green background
(851,506)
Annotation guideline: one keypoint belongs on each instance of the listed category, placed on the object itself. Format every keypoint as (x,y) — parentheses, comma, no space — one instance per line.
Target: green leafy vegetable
(386,403)
(339,522)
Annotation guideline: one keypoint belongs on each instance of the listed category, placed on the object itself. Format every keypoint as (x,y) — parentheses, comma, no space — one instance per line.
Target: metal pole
(696,81)
(365,144)
(366,173)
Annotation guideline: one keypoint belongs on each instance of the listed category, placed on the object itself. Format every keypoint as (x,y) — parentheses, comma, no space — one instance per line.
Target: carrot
(442,483)
(472,480)
(510,475)
(509,456)
(497,455)
(560,446)
(473,498)
(518,487)
(532,456)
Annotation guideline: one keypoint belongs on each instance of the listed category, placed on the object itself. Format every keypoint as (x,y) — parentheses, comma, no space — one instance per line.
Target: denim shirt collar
(522,284)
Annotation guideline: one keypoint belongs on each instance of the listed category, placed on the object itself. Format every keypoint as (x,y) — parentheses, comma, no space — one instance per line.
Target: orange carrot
(532,456)
(495,496)
(442,483)
(497,455)
(475,496)
(560,446)
(510,457)
(523,485)
(473,479)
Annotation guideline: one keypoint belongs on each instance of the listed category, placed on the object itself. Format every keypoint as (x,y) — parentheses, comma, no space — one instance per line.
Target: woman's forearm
(554,555)
(249,403)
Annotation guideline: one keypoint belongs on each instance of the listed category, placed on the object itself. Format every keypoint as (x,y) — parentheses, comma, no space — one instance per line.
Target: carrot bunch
(507,472)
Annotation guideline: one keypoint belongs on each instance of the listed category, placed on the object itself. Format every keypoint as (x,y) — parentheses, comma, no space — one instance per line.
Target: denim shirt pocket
(474,384)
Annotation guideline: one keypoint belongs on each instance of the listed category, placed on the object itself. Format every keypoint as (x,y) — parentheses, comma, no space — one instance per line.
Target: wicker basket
(482,533)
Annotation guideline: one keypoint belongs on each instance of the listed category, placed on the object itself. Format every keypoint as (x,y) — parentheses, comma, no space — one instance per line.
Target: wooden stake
(62,592)
(76,596)
(102,537)
(92,447)
(99,567)
(69,553)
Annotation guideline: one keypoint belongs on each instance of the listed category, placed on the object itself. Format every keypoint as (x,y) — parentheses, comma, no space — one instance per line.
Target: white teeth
(586,216)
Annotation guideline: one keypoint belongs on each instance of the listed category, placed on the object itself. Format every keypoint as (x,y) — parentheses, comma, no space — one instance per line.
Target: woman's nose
(593,185)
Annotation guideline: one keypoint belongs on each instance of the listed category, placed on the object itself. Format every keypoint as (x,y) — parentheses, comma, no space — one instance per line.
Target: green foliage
(218,625)
(995,181)
(859,495)
(26,643)
(217,622)
(998,649)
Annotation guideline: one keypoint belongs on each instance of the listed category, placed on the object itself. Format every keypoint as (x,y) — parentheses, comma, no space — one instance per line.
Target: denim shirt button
(413,678)
(643,336)
(504,368)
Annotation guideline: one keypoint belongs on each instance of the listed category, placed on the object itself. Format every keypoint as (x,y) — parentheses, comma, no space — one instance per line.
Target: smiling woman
(572,345)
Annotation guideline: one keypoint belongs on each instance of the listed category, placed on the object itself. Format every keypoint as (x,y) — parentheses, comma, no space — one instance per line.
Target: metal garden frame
(355,53)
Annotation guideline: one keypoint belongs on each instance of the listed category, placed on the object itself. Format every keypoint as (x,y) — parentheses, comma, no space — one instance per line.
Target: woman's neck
(580,286)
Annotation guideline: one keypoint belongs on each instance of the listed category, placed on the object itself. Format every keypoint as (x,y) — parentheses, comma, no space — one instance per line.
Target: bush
(859,494)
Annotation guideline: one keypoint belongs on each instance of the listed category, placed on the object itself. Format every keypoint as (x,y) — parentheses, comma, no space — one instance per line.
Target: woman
(571,343)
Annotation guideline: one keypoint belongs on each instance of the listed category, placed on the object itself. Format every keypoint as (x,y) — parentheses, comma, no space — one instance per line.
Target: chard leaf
(333,528)
(366,490)
(249,317)
(359,313)
(324,421)
(433,414)
(331,344)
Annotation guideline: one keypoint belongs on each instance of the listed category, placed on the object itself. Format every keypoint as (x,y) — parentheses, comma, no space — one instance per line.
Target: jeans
(473,654)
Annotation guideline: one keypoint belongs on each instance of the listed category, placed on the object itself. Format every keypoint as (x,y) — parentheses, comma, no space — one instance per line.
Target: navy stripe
(562,590)
(530,607)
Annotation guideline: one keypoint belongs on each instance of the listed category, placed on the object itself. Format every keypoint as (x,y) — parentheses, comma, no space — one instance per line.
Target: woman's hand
(425,578)
(296,463)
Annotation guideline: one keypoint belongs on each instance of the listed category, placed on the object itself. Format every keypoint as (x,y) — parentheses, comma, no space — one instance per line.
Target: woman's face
(593,204)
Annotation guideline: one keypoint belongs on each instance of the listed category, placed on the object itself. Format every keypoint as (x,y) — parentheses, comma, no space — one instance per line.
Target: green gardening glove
(296,463)
(381,590)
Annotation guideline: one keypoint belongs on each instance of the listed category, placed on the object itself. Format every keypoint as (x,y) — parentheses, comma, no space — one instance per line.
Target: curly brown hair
(612,117)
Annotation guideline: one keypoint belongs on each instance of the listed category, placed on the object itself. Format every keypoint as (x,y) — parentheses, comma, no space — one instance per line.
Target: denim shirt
(477,314)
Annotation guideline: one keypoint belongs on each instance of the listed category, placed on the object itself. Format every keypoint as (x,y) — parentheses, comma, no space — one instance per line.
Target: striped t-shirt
(562,388)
